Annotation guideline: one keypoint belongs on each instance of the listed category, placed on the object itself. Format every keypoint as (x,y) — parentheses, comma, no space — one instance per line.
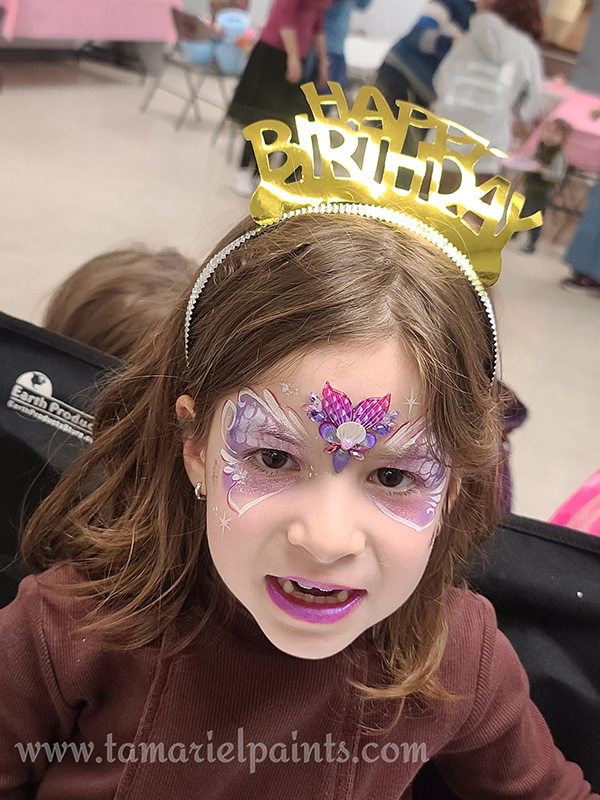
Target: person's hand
(294,70)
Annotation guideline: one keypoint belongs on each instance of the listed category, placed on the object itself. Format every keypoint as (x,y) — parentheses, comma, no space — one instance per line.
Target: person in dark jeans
(270,84)
(582,255)
(549,169)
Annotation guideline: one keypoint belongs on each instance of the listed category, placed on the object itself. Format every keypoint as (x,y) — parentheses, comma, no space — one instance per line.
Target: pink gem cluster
(347,429)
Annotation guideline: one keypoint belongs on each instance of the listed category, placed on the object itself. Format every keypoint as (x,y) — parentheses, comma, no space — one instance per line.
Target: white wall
(387,19)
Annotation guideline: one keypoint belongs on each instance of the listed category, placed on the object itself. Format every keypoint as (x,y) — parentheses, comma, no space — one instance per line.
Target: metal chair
(190,28)
(569,200)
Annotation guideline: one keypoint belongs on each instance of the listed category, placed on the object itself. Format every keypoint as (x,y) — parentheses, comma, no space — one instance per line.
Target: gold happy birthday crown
(361,155)
(365,161)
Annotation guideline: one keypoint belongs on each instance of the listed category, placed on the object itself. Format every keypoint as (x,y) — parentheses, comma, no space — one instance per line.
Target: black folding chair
(544,583)
(47,387)
(190,28)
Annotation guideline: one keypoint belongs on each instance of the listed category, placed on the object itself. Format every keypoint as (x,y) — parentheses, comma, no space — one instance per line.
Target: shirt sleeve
(555,171)
(33,711)
(436,30)
(504,749)
(530,101)
(285,14)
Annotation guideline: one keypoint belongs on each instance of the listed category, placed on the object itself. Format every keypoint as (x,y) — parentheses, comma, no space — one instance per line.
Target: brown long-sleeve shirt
(233,717)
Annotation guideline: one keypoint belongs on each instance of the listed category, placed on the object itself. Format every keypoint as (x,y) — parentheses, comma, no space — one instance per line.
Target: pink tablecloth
(583,148)
(112,20)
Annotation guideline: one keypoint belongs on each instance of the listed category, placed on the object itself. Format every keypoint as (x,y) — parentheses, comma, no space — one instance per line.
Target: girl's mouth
(311,602)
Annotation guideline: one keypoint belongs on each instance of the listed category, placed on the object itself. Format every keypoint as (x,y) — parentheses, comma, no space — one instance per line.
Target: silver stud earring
(198,491)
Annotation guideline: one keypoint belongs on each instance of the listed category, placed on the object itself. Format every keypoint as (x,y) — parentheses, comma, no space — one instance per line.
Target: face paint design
(412,402)
(416,505)
(349,429)
(252,425)
(319,529)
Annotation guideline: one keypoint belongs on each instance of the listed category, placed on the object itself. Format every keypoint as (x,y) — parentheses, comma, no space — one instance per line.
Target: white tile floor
(83,171)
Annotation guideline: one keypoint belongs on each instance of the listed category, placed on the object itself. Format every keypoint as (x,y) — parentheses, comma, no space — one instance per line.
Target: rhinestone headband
(386,215)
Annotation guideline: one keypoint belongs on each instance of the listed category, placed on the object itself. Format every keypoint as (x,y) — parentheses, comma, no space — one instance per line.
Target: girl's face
(320,520)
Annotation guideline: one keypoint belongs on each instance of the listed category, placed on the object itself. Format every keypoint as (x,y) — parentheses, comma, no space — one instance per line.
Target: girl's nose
(327,531)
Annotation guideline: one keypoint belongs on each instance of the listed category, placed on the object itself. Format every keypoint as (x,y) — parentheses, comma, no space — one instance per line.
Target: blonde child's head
(337,300)
(117,299)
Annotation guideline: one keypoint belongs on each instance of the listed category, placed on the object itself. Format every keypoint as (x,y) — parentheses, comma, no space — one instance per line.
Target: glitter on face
(323,527)
(415,508)
(412,401)
(251,424)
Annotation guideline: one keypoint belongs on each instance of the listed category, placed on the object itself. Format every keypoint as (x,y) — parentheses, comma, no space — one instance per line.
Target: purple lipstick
(310,601)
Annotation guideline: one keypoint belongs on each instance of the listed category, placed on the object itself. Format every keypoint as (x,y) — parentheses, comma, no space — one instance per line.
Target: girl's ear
(194,452)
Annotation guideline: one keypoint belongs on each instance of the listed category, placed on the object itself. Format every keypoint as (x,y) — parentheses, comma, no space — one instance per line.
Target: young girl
(547,172)
(270,83)
(251,584)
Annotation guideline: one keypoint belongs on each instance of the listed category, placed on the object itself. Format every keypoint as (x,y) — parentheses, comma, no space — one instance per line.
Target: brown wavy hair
(126,516)
(112,301)
(526,15)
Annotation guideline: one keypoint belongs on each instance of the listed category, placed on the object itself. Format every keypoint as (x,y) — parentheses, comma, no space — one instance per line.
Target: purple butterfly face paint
(349,536)
(347,429)
(252,424)
(416,507)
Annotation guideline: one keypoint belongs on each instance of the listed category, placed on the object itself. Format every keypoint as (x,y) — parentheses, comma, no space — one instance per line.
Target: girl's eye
(392,478)
(274,459)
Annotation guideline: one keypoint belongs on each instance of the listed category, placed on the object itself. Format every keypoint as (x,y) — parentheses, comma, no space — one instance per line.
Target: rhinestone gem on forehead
(349,430)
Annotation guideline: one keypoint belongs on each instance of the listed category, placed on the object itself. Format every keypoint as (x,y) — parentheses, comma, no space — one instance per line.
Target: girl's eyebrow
(279,431)
(399,450)
(398,447)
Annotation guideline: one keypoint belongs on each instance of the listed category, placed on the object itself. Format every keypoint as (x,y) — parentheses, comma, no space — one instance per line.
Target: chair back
(191,28)
(543,581)
(47,387)
(220,5)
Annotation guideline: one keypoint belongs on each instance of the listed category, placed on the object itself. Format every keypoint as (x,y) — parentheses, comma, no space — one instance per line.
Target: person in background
(337,25)
(407,71)
(492,73)
(583,254)
(116,300)
(270,85)
(549,170)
